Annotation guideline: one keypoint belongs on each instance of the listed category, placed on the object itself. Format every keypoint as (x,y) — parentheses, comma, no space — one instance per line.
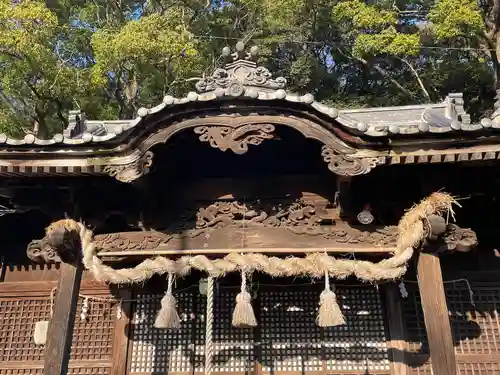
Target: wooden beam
(286,250)
(60,333)
(437,321)
(335,238)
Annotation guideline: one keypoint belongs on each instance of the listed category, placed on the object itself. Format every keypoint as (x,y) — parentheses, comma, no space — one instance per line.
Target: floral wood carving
(132,171)
(347,165)
(240,74)
(235,139)
(298,217)
(131,241)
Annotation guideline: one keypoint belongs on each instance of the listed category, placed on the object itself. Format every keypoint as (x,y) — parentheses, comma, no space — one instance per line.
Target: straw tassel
(243,315)
(167,316)
(329,314)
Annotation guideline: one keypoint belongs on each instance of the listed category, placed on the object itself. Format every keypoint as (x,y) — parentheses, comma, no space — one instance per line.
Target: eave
(241,96)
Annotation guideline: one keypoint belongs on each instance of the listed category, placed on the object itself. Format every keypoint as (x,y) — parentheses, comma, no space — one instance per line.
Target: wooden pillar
(60,332)
(398,346)
(437,321)
(121,337)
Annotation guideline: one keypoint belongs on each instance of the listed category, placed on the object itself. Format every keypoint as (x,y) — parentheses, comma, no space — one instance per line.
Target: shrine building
(248,230)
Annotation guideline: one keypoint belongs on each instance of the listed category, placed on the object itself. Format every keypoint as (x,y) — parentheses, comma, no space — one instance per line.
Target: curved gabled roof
(241,77)
(354,140)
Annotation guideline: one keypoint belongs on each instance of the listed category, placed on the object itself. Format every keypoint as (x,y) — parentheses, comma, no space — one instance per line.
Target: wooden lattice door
(92,350)
(286,341)
(475,323)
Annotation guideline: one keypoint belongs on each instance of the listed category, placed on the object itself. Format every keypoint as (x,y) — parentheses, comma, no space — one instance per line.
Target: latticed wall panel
(161,350)
(361,343)
(234,348)
(286,340)
(463,368)
(475,326)
(93,336)
(476,329)
(291,341)
(71,371)
(18,319)
(92,339)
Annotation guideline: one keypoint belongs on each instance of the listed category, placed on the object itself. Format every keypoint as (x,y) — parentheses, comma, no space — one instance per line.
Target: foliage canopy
(111,57)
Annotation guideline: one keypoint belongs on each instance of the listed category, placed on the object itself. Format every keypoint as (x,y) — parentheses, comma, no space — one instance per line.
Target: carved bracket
(132,171)
(60,246)
(347,165)
(449,237)
(235,139)
(41,253)
(459,239)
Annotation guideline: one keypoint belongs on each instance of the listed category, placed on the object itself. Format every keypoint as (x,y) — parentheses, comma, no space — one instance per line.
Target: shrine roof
(238,106)
(447,116)
(242,78)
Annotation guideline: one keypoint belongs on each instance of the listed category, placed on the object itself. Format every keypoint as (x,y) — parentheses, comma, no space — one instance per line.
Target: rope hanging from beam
(209,346)
(412,227)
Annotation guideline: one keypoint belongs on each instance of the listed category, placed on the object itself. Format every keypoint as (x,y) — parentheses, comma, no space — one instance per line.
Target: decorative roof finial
(76,124)
(240,75)
(495,117)
(240,53)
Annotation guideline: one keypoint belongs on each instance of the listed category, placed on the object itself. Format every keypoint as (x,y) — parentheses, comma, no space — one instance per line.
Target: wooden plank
(60,333)
(121,336)
(31,272)
(417,359)
(33,365)
(37,273)
(344,372)
(437,321)
(310,187)
(43,288)
(260,250)
(397,344)
(334,238)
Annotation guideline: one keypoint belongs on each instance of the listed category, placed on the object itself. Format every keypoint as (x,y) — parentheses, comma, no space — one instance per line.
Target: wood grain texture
(437,321)
(397,341)
(121,337)
(339,238)
(59,338)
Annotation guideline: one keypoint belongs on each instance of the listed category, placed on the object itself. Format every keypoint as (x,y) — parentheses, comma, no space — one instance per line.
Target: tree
(34,71)
(144,60)
(109,58)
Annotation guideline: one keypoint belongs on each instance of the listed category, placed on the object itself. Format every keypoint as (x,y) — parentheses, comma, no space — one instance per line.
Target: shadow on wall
(360,345)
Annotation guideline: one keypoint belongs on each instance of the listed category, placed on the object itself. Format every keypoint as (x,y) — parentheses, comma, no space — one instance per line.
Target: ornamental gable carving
(240,74)
(235,139)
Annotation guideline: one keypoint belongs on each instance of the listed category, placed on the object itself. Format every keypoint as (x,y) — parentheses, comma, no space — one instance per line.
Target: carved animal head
(60,245)
(39,251)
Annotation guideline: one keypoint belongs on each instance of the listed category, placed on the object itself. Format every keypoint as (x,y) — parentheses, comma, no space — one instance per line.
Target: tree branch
(11,54)
(417,77)
(380,70)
